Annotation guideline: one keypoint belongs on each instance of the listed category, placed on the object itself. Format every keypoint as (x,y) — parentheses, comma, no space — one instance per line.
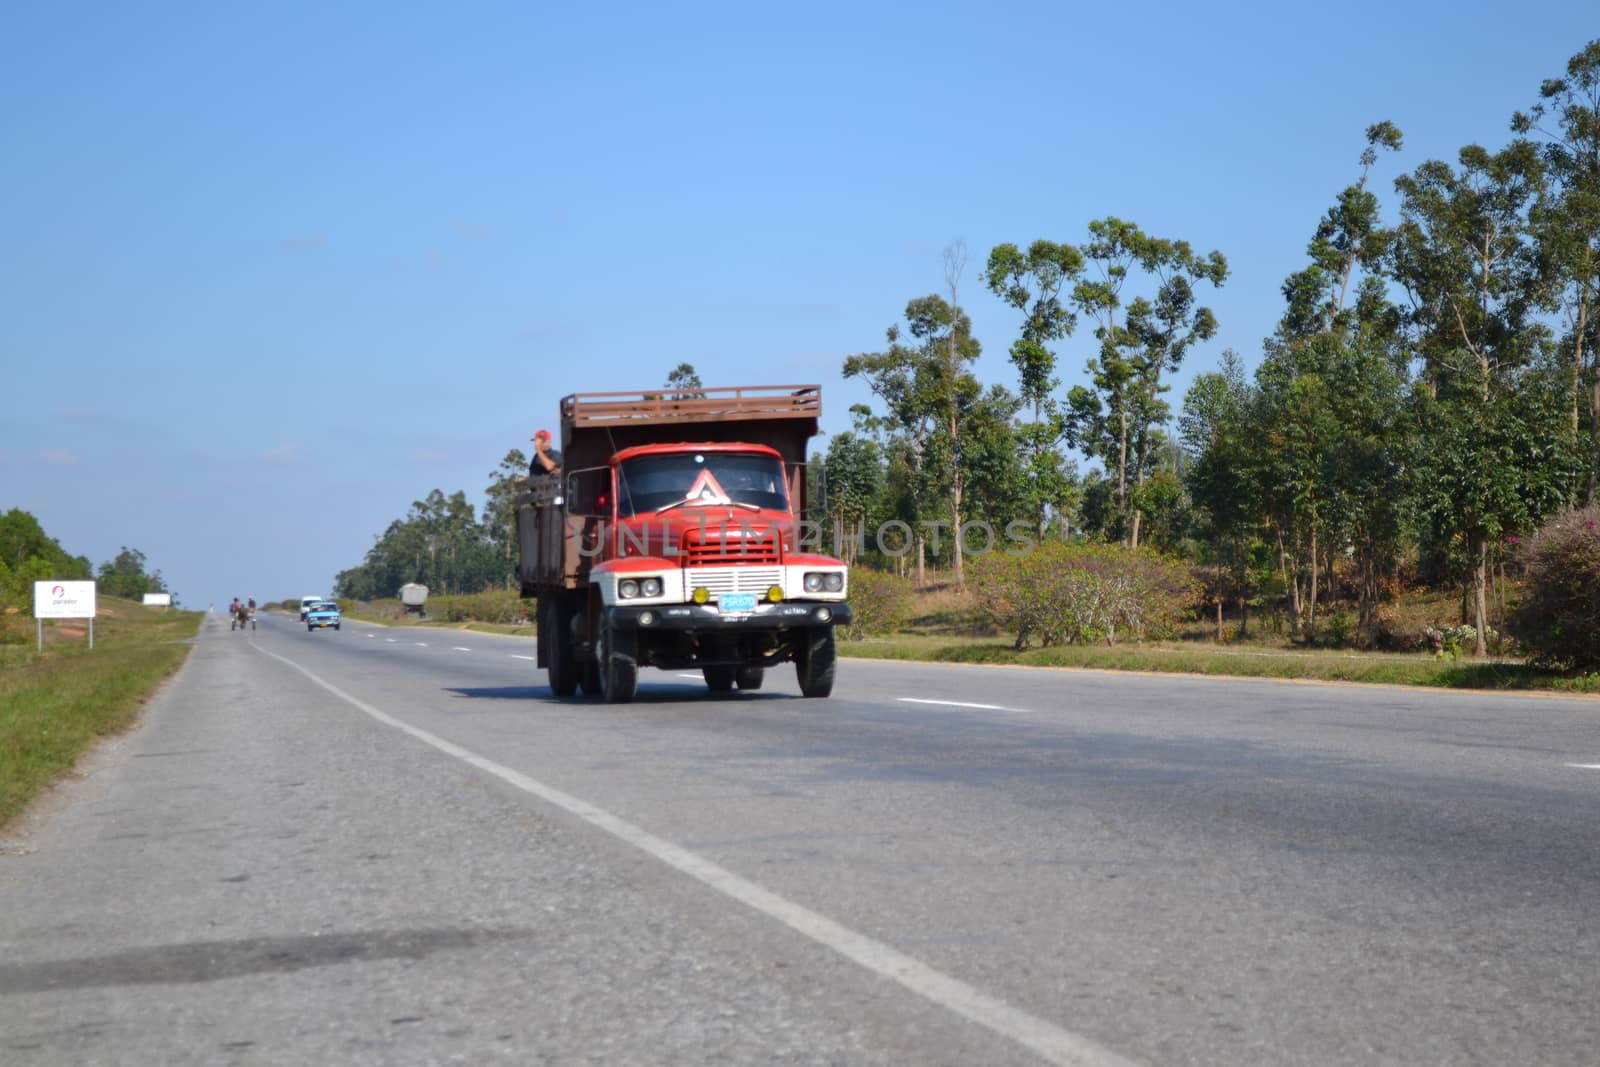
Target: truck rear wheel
(750,678)
(813,663)
(719,679)
(615,651)
(561,667)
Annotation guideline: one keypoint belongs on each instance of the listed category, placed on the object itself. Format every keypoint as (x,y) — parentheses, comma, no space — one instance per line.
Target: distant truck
(673,538)
(413,598)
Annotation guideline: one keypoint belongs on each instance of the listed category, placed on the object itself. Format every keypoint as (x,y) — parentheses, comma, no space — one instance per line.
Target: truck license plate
(736,602)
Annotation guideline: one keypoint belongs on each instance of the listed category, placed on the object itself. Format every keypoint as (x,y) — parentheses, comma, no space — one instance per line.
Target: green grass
(1417,669)
(55,704)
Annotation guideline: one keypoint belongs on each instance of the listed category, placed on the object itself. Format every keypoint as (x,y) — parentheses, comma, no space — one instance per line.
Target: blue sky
(271,274)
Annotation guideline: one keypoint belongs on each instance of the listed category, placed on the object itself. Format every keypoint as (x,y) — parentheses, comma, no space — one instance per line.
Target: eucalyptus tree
(1037,283)
(1329,393)
(853,482)
(1218,431)
(928,390)
(1566,121)
(685,382)
(1495,449)
(499,509)
(1140,341)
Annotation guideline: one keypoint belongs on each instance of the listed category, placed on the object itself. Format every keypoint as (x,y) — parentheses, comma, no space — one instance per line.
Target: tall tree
(1117,420)
(928,394)
(1033,282)
(1466,259)
(1567,225)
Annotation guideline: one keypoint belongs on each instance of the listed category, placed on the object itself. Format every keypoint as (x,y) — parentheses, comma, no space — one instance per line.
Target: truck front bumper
(788,615)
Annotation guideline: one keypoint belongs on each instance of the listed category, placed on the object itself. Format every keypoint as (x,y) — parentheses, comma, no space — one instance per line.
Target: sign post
(63,600)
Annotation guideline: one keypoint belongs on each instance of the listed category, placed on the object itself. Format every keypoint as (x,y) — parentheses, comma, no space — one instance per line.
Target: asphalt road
(392,846)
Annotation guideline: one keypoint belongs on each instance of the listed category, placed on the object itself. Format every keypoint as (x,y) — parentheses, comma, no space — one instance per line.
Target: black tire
(562,668)
(589,678)
(616,652)
(310,629)
(719,679)
(813,666)
(750,678)
(335,626)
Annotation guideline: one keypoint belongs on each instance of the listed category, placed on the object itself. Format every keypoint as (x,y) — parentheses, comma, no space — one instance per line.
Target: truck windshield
(648,484)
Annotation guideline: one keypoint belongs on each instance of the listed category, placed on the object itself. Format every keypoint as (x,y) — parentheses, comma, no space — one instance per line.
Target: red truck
(674,538)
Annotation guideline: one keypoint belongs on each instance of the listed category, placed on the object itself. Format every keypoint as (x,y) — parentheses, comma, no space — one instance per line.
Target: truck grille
(720,580)
(704,548)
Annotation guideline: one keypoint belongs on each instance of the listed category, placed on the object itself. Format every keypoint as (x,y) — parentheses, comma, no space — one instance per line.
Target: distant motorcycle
(242,618)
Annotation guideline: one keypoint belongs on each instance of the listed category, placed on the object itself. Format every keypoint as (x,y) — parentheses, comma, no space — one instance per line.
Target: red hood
(706,534)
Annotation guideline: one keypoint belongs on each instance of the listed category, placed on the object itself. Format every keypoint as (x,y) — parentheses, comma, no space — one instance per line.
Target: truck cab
(676,540)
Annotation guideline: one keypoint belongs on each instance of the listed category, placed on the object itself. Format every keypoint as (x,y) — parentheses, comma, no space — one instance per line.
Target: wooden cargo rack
(700,405)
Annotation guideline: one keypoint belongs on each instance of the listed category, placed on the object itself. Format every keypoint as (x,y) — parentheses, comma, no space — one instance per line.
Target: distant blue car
(322,614)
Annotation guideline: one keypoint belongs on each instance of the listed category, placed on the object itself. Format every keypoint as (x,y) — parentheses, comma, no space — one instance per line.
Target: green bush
(1062,594)
(881,602)
(1558,616)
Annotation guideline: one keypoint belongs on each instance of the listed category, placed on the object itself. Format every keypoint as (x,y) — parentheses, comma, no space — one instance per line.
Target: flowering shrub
(881,602)
(1079,593)
(1558,617)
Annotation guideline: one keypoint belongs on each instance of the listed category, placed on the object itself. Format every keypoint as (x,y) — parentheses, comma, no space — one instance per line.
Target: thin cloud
(427,455)
(57,457)
(306,242)
(471,229)
(286,453)
(537,332)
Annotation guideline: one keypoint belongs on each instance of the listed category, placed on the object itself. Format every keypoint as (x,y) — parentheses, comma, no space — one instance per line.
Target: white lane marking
(389,639)
(515,656)
(420,644)
(695,676)
(372,635)
(1053,1043)
(1585,766)
(458,648)
(956,704)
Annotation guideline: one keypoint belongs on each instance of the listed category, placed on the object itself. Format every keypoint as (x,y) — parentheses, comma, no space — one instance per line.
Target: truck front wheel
(813,662)
(719,679)
(617,651)
(750,678)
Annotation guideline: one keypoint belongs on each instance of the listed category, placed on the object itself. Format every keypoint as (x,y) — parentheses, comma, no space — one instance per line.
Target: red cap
(544,434)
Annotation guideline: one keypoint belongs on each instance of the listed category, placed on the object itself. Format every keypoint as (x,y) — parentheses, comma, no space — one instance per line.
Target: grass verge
(1388,669)
(54,704)
(439,624)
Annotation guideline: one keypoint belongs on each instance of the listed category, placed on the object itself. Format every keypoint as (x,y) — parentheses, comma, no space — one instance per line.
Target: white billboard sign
(63,600)
(158,600)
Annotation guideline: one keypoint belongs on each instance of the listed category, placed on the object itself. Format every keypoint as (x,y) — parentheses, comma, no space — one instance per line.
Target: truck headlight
(813,581)
(627,589)
(820,581)
(834,582)
(650,587)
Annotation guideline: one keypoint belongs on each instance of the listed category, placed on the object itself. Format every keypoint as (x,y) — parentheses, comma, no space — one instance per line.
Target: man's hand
(521,478)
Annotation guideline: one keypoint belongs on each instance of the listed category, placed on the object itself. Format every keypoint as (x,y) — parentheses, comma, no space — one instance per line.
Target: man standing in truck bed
(546,462)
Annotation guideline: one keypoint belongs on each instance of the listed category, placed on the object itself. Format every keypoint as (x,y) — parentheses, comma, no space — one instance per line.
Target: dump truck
(674,537)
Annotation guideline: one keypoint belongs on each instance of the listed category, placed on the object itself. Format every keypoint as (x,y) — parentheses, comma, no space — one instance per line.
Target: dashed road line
(458,648)
(959,704)
(420,644)
(390,640)
(515,656)
(1585,766)
(695,676)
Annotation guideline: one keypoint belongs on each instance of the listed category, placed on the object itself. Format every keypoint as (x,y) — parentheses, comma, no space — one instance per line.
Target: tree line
(29,555)
(1429,395)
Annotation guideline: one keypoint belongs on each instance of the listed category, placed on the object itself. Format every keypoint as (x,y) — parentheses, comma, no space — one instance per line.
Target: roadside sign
(63,600)
(158,600)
